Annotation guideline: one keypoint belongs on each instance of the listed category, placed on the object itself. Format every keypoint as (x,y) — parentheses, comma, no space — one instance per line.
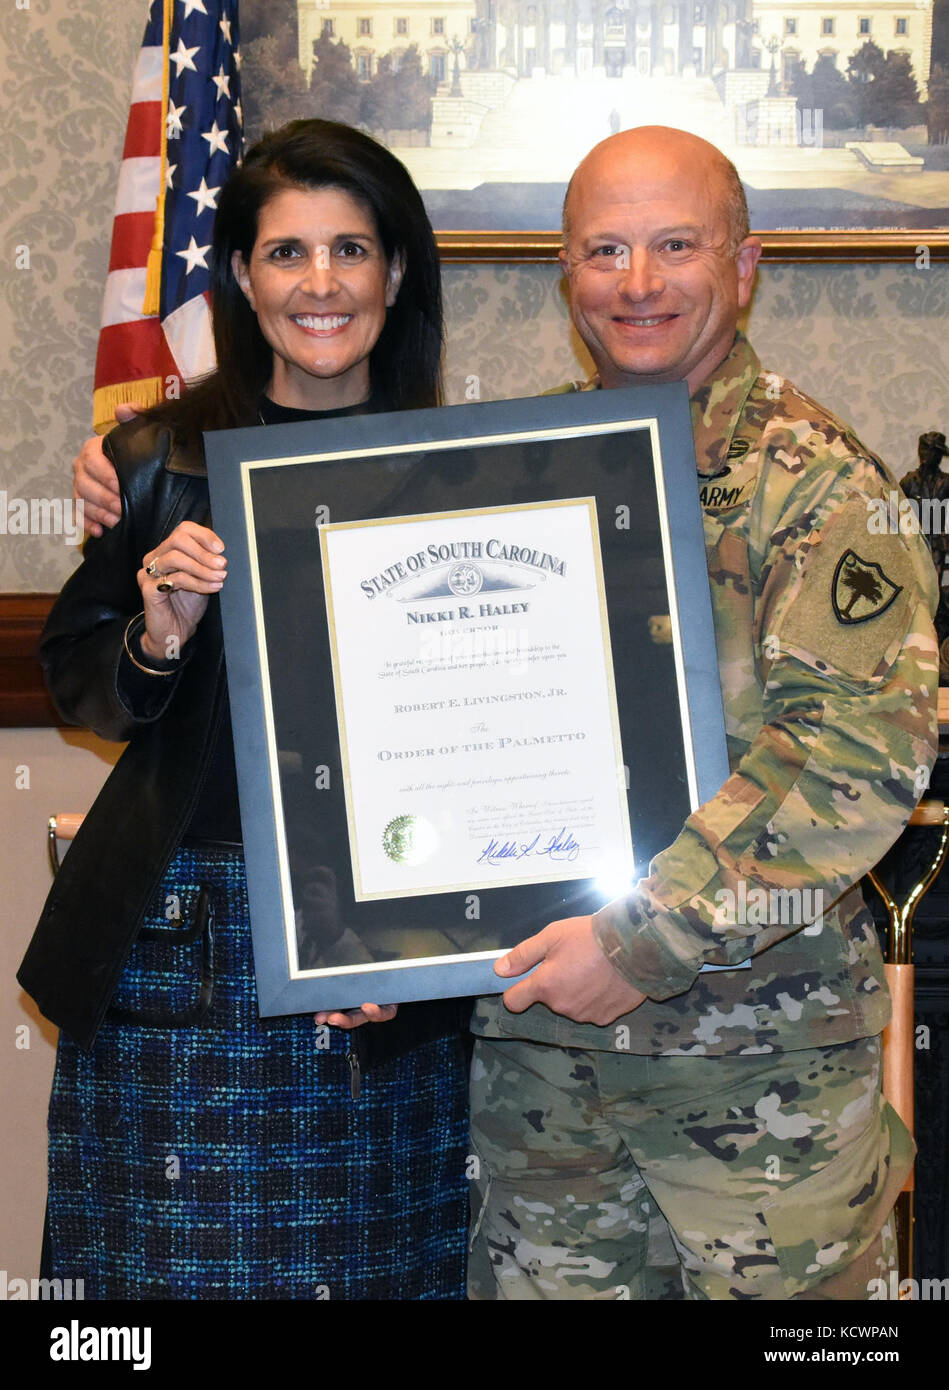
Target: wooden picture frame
(793,247)
(505,96)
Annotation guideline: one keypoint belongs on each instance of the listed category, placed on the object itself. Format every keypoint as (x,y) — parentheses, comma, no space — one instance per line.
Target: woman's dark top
(217,815)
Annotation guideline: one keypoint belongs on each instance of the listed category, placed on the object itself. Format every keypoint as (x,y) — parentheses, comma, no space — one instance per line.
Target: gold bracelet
(149,670)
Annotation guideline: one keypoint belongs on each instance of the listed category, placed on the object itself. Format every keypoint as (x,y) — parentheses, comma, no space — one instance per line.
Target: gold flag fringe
(146,392)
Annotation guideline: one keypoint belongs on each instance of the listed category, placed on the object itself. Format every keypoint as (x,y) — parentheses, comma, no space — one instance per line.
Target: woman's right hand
(355,1018)
(190,564)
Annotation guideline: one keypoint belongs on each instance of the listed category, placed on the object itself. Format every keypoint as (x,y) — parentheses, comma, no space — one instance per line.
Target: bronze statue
(928,484)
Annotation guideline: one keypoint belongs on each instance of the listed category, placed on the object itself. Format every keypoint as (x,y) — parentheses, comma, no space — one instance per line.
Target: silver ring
(151,569)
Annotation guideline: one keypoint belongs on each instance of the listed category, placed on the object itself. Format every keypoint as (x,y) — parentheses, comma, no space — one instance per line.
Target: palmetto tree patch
(860,589)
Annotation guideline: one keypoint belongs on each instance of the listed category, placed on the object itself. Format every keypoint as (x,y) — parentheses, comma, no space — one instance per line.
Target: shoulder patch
(861,590)
(848,577)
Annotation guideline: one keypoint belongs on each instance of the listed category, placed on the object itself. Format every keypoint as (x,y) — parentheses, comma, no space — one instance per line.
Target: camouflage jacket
(827,659)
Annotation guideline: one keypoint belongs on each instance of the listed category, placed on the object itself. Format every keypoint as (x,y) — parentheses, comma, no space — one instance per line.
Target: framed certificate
(472,679)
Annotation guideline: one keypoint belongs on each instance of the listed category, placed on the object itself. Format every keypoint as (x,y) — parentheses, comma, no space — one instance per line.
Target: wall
(869,341)
(65,772)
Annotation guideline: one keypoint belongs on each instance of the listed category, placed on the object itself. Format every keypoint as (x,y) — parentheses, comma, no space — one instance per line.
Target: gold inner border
(589,503)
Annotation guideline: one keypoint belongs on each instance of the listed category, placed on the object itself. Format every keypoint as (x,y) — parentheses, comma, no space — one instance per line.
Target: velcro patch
(848,614)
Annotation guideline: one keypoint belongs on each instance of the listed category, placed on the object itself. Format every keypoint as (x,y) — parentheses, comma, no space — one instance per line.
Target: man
(644,1130)
(737,1113)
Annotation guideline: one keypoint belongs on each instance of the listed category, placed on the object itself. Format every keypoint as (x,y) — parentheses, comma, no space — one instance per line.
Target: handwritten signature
(560,846)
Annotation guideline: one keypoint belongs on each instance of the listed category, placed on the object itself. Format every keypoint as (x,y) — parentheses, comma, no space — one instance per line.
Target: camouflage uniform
(827,660)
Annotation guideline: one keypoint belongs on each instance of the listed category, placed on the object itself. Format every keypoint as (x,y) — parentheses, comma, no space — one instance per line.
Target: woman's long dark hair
(404,365)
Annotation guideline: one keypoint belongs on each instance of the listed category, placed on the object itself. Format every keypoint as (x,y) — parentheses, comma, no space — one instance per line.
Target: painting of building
(438,29)
(514,92)
(613,38)
(810,29)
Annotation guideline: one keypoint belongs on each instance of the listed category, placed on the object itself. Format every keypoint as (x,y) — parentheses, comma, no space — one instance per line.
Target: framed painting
(837,121)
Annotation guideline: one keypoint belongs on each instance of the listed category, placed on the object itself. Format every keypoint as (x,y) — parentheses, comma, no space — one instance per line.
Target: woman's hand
(94,481)
(176,580)
(355,1018)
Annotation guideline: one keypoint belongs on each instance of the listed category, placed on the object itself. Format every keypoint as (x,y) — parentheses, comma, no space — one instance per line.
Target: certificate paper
(475,699)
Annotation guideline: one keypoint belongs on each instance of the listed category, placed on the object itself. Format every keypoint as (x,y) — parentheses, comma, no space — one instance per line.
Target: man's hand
(574,977)
(94,480)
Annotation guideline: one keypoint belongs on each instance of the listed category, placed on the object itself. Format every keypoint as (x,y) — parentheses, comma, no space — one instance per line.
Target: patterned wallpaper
(869,341)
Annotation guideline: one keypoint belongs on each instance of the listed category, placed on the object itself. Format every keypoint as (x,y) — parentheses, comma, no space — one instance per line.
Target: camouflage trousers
(606,1175)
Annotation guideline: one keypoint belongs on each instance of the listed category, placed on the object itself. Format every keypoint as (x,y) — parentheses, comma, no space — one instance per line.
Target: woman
(197,1150)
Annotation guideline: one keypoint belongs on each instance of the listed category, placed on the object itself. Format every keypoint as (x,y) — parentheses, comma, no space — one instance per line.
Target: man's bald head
(658,262)
(641,150)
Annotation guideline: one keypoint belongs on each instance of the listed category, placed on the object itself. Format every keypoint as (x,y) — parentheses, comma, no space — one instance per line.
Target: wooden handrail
(943,704)
(62,826)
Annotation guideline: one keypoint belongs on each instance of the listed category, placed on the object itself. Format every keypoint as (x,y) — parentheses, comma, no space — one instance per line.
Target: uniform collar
(718,404)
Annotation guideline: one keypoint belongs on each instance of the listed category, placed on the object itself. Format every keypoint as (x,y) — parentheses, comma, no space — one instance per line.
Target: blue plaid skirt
(224,1156)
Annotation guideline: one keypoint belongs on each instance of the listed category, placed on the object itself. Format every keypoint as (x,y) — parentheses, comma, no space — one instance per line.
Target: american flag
(182,139)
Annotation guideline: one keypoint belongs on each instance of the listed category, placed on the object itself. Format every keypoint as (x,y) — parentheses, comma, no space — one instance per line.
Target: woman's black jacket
(101,893)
